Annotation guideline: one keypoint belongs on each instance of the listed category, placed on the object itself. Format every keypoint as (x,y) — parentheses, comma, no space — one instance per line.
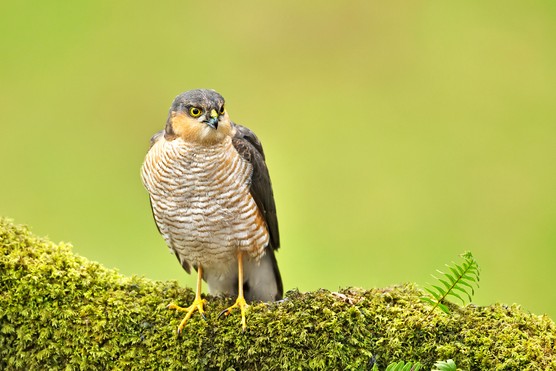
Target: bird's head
(199,116)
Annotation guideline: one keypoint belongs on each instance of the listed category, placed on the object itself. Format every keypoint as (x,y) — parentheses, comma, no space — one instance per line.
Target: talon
(224,312)
(196,306)
(242,305)
(240,301)
(172,306)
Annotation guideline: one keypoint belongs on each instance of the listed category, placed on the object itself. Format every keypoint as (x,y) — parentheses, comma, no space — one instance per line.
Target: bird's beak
(213,121)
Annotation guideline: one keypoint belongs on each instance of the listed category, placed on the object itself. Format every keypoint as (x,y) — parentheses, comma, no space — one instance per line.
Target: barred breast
(201,201)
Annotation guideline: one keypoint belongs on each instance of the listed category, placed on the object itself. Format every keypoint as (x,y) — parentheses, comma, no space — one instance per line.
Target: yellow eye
(195,112)
(222,110)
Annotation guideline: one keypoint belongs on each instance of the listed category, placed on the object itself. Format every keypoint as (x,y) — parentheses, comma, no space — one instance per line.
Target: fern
(402,366)
(459,283)
(448,365)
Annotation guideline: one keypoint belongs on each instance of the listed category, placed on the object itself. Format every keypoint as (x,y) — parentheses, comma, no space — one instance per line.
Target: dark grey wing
(249,147)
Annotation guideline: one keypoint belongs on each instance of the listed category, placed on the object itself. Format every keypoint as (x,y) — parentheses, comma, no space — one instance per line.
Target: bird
(212,201)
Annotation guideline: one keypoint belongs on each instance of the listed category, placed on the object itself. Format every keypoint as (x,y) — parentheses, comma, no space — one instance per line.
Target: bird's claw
(242,305)
(196,306)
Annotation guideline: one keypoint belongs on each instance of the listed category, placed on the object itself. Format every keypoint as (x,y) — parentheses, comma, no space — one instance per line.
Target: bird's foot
(197,305)
(242,305)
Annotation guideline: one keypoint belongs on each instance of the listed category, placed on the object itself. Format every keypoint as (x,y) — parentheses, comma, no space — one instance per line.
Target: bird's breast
(201,201)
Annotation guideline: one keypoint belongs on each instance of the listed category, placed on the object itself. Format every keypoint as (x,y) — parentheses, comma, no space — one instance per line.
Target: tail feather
(262,280)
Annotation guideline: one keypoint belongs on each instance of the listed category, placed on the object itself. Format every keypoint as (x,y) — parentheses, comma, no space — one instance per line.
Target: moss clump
(59,310)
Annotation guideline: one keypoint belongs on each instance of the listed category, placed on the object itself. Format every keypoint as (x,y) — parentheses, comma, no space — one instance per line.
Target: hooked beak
(213,121)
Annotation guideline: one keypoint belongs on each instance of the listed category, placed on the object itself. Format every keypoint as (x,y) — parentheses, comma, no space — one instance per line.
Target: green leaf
(440,290)
(448,365)
(444,308)
(402,366)
(433,293)
(456,295)
(458,288)
(450,277)
(445,283)
(459,282)
(454,271)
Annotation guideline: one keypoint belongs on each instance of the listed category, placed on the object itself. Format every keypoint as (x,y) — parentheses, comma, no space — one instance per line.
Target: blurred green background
(398,134)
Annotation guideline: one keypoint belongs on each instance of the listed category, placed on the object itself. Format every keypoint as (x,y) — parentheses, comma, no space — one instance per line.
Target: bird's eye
(195,112)
(222,110)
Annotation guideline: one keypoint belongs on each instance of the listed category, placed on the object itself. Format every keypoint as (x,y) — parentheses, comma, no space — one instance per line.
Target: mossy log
(62,311)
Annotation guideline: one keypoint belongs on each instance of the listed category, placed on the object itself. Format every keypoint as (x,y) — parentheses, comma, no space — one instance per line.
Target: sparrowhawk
(212,202)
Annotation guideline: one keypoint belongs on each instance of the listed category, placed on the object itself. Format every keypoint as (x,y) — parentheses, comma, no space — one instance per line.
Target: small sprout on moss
(459,283)
(402,366)
(448,365)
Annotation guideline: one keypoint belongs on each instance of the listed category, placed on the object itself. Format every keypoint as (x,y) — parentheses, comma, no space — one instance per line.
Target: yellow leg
(197,303)
(240,301)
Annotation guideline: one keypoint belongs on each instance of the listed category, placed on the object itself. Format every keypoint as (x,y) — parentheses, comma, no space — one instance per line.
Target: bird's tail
(262,280)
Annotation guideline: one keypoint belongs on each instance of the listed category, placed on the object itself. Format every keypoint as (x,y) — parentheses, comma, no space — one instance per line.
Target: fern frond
(402,366)
(448,365)
(459,282)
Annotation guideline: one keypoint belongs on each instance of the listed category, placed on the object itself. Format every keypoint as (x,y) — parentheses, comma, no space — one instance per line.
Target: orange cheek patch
(191,130)
(184,127)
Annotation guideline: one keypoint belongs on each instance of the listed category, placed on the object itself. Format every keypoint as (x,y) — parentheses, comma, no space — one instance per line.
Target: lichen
(62,311)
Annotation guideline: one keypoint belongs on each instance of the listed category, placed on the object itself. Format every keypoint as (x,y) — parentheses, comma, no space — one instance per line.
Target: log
(59,310)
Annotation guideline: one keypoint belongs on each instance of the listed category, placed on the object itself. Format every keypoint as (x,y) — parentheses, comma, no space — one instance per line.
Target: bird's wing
(156,136)
(249,147)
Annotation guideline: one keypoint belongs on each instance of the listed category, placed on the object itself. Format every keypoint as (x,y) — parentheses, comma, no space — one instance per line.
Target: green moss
(59,310)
